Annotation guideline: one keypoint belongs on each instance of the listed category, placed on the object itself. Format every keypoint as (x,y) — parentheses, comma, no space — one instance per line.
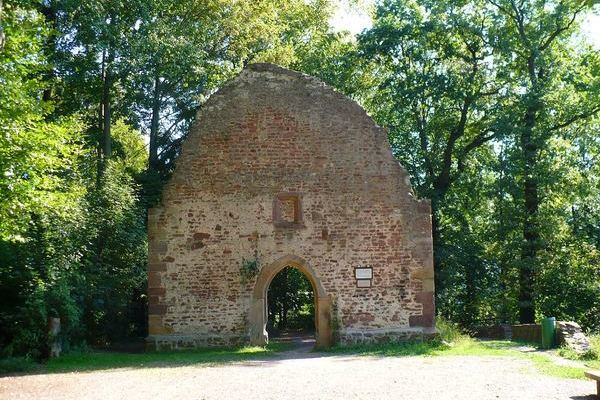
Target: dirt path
(305,376)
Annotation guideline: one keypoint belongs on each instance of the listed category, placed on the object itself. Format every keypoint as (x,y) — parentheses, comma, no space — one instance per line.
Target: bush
(449,331)
(594,354)
(13,365)
(595,342)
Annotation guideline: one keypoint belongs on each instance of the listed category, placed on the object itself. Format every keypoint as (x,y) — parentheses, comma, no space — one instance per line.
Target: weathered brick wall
(272,131)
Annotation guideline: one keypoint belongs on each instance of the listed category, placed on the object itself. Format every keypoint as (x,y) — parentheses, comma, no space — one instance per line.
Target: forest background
(491,105)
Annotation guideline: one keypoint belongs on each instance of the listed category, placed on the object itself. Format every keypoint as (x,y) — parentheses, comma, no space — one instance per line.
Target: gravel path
(297,375)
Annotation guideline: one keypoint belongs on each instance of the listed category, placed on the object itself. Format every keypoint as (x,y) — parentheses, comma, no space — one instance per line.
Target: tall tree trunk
(153,162)
(1,28)
(105,142)
(49,47)
(471,308)
(106,106)
(441,184)
(531,233)
(99,153)
(437,244)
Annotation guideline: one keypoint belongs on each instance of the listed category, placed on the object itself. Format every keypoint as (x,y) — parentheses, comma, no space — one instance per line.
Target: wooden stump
(53,331)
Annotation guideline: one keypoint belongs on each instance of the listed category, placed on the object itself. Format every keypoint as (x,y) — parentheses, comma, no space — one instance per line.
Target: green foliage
(85,265)
(114,262)
(401,349)
(249,268)
(492,109)
(41,188)
(37,157)
(448,331)
(12,365)
(514,203)
(81,81)
(434,89)
(595,343)
(291,302)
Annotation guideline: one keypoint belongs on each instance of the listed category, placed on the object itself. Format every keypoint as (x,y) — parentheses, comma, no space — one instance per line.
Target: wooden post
(53,331)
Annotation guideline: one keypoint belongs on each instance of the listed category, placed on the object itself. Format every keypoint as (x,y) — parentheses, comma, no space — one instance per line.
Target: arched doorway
(258,308)
(291,307)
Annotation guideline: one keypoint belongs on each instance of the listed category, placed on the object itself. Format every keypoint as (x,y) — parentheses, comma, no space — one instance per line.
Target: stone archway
(258,307)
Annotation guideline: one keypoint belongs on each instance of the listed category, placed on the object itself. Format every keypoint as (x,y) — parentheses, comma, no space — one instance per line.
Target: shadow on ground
(283,348)
(286,347)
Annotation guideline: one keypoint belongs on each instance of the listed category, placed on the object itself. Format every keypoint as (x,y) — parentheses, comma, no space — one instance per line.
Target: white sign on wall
(362,283)
(363,273)
(364,276)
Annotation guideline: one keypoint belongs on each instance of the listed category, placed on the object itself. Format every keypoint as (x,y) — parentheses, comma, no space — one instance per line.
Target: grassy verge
(18,365)
(594,361)
(449,345)
(88,361)
(547,366)
(591,359)
(462,345)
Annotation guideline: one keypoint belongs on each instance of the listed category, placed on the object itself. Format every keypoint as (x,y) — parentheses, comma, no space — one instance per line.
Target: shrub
(249,268)
(13,365)
(449,331)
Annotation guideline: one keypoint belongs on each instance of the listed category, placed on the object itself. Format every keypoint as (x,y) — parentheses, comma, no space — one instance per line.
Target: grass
(590,359)
(468,347)
(18,365)
(594,362)
(462,347)
(450,343)
(89,361)
(547,366)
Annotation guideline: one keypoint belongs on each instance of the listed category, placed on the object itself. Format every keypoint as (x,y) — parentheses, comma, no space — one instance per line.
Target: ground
(301,374)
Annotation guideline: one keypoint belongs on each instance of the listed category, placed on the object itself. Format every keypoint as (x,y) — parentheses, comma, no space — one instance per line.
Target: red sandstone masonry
(267,135)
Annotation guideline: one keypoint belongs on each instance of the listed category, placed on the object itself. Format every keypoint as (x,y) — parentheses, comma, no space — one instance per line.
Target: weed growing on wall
(249,268)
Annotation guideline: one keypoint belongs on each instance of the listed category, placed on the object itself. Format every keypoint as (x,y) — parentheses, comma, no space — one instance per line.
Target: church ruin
(281,170)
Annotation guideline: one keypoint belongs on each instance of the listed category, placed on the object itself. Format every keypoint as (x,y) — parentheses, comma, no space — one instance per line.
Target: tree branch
(423,141)
(497,5)
(576,118)
(560,29)
(477,141)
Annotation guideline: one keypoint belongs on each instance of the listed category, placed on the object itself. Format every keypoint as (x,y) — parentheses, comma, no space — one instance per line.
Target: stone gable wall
(270,132)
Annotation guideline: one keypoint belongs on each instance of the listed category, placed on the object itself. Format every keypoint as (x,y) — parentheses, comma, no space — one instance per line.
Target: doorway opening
(291,307)
(258,310)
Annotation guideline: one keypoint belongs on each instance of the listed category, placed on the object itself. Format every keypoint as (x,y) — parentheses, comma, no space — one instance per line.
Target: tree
(113,243)
(81,81)
(436,90)
(40,189)
(533,38)
(89,62)
(183,50)
(475,93)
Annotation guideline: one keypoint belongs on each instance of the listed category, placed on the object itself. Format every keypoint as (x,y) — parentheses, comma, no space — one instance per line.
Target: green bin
(548,332)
